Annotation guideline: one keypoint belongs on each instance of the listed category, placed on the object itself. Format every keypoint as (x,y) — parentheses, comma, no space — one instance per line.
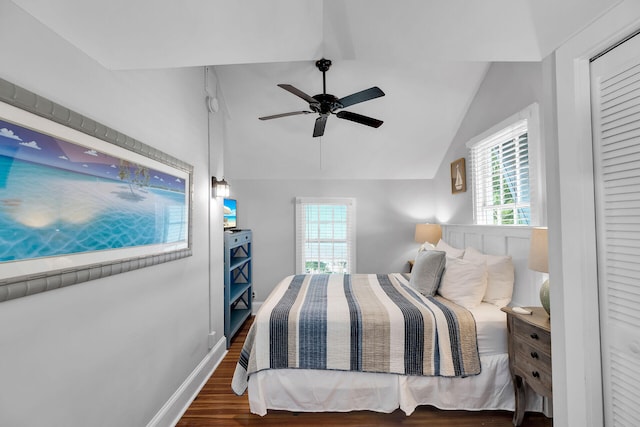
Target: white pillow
(450,250)
(500,276)
(464,282)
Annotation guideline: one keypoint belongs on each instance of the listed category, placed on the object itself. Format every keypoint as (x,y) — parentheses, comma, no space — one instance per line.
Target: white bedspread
(358,322)
(288,389)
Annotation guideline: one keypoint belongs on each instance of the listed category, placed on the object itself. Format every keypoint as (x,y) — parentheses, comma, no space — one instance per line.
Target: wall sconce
(220,188)
(428,233)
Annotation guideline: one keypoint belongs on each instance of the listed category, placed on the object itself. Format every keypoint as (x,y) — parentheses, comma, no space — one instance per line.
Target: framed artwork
(80,201)
(458,176)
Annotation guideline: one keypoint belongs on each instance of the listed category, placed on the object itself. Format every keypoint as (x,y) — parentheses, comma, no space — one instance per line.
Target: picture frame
(80,201)
(458,176)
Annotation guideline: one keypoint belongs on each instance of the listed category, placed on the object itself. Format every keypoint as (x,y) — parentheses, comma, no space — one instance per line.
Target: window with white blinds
(325,235)
(501,175)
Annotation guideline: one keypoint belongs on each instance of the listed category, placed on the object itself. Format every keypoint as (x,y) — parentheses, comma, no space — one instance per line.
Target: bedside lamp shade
(538,252)
(539,261)
(428,233)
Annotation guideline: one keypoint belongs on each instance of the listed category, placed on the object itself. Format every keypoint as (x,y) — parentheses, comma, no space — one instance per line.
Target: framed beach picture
(458,176)
(74,207)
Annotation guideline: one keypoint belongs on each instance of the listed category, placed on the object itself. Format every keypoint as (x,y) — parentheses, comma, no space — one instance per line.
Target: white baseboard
(255,306)
(179,402)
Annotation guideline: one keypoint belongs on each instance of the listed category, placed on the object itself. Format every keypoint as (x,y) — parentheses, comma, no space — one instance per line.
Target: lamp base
(544,296)
(426,246)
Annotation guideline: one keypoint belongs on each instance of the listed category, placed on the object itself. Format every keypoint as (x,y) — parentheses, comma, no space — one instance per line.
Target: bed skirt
(340,391)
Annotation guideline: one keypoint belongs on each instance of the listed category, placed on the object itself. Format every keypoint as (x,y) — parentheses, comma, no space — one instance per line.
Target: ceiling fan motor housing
(326,104)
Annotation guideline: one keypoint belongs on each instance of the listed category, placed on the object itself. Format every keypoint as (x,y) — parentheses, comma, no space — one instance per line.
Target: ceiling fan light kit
(325,104)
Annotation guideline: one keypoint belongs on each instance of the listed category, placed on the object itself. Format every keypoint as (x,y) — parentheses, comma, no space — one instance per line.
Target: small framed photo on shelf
(458,176)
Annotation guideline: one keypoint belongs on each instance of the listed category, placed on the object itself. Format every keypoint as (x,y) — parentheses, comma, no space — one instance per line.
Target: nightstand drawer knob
(535,374)
(534,354)
(534,336)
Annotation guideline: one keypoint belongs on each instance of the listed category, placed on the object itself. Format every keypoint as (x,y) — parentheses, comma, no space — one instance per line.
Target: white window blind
(501,174)
(325,235)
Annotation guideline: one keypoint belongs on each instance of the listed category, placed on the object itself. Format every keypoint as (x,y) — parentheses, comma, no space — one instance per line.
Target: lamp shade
(431,233)
(539,250)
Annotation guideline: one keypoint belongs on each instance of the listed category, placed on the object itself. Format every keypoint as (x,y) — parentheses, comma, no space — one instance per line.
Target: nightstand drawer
(535,374)
(531,335)
(532,355)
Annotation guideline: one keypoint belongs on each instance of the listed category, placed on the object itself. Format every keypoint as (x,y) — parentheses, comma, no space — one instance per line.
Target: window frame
(530,116)
(300,228)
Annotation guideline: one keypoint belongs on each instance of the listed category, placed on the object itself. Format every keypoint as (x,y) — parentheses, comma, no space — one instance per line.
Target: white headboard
(502,240)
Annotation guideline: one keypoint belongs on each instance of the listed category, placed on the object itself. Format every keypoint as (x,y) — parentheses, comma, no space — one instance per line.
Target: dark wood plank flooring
(217,405)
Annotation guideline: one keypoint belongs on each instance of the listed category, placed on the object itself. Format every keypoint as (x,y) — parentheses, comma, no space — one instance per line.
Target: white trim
(255,306)
(349,201)
(530,114)
(577,382)
(300,237)
(179,402)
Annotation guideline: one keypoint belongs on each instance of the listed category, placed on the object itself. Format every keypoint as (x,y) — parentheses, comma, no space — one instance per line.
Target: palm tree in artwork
(124,173)
(141,177)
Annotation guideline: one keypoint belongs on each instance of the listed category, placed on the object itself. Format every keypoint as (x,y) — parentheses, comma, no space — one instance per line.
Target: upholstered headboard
(502,240)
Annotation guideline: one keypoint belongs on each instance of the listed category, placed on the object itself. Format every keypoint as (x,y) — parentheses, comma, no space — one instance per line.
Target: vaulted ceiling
(428,56)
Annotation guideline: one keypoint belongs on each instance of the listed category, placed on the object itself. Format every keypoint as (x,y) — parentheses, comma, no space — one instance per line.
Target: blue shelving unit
(238,293)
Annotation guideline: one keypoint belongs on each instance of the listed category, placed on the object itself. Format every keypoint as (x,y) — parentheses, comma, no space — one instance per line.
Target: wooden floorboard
(217,405)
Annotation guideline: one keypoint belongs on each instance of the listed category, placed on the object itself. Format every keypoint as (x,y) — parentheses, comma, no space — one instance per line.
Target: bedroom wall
(108,352)
(507,89)
(386,214)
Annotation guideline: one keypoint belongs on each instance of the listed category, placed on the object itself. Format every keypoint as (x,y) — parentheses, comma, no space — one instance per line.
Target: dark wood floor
(217,405)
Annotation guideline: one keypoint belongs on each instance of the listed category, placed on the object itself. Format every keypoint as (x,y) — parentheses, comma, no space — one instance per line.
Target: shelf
(238,317)
(236,291)
(238,262)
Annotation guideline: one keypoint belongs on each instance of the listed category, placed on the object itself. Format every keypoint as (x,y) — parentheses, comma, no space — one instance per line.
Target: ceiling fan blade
(358,118)
(363,95)
(293,113)
(321,122)
(298,92)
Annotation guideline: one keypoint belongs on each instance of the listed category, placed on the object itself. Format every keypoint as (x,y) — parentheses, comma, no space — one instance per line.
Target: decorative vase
(544,296)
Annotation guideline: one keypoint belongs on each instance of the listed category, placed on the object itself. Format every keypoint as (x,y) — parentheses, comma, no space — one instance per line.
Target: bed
(459,360)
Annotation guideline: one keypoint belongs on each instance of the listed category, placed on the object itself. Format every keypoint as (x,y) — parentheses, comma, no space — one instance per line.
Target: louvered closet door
(615,89)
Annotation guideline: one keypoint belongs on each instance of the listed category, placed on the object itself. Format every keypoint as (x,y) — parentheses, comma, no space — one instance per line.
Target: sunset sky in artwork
(25,144)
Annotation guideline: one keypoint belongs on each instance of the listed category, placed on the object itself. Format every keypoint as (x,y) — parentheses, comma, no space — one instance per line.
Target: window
(502,172)
(325,235)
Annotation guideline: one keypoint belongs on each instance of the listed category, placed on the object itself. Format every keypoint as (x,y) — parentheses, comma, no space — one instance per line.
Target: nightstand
(529,355)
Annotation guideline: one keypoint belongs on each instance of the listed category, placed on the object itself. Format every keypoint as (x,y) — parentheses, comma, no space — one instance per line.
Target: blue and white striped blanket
(358,322)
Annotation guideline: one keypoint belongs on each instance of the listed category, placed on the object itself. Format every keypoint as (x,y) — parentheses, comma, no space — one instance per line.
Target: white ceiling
(428,56)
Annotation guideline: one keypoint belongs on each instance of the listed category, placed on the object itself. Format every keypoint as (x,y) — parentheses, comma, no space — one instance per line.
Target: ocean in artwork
(47,210)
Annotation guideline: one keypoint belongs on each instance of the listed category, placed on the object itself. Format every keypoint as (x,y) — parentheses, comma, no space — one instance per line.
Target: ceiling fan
(325,104)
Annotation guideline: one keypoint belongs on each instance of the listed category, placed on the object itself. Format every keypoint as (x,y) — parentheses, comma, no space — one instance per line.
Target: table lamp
(428,233)
(539,261)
